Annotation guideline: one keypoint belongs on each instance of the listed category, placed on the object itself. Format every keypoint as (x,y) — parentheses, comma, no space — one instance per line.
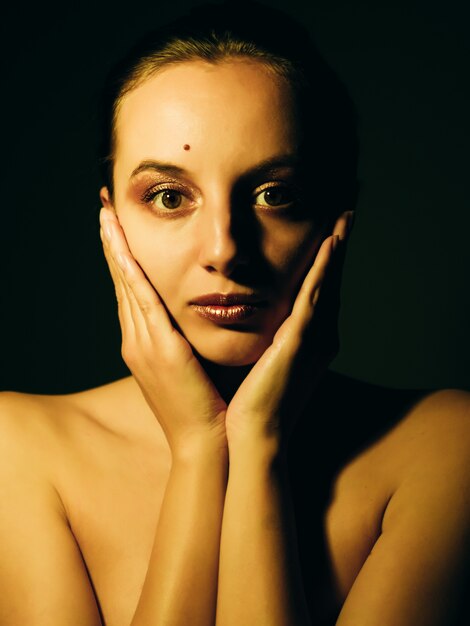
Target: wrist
(264,449)
(199,450)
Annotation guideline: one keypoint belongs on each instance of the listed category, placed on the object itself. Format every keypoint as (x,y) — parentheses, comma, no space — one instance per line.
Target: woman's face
(205,186)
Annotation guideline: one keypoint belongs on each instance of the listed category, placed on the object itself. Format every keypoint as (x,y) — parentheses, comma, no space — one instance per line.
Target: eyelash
(149,196)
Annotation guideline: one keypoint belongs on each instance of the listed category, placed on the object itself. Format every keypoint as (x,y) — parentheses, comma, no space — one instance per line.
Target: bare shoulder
(430,455)
(37,428)
(432,440)
(28,424)
(444,413)
(398,427)
(34,445)
(74,469)
(42,574)
(413,481)
(419,458)
(116,408)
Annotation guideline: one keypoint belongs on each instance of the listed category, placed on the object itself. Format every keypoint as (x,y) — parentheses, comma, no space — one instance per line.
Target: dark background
(406,303)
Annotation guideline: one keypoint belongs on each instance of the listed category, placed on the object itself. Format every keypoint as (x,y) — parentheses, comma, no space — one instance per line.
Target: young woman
(232,478)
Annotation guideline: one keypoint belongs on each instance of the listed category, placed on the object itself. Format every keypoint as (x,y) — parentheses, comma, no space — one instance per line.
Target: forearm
(259,572)
(180,587)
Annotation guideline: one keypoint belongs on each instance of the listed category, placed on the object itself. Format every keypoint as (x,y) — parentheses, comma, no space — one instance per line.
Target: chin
(231,348)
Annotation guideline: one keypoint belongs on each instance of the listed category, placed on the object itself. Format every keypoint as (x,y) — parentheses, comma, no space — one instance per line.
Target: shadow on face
(212,197)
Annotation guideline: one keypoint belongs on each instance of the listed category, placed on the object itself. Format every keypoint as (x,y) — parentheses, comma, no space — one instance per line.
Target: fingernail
(106,215)
(107,229)
(351,218)
(122,261)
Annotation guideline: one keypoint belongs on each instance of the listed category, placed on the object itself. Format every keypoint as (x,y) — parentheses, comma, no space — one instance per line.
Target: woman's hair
(246,29)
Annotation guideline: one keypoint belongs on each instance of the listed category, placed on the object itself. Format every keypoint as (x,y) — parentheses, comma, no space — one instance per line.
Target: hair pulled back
(216,32)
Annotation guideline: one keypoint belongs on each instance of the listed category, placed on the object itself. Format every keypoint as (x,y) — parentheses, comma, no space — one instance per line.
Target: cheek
(291,250)
(161,258)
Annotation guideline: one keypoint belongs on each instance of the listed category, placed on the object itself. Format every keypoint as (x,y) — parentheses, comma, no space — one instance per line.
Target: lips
(228,299)
(228,308)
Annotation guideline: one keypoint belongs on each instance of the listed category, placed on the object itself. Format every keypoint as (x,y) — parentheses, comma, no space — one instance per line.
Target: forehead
(218,109)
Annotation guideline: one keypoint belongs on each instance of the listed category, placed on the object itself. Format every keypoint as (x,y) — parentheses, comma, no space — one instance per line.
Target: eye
(275,196)
(170,198)
(164,198)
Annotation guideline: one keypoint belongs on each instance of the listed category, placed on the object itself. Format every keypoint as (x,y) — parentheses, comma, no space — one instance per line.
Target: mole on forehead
(186,146)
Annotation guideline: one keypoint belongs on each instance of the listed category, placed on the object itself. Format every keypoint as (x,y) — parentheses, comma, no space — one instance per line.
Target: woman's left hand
(272,396)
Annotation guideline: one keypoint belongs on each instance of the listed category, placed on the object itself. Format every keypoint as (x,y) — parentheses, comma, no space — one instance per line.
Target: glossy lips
(227,308)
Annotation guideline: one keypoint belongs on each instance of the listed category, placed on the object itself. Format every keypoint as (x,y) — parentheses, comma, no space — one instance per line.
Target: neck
(227,379)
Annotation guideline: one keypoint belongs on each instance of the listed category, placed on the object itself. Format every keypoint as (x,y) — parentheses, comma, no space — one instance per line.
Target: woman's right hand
(173,382)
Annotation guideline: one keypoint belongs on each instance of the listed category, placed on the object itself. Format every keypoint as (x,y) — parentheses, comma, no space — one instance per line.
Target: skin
(253,424)
(167,491)
(207,249)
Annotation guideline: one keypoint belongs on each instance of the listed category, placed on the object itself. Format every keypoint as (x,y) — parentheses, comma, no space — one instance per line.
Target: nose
(220,240)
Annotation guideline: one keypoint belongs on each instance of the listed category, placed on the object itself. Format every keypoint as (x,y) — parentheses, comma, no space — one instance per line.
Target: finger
(124,310)
(329,260)
(331,284)
(344,224)
(133,314)
(308,293)
(111,264)
(343,229)
(147,306)
(315,313)
(292,333)
(322,325)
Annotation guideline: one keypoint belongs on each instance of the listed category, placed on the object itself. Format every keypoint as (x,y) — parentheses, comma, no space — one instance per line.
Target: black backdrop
(406,303)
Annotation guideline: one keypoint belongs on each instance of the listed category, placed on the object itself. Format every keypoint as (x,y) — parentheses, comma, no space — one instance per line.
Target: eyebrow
(272,164)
